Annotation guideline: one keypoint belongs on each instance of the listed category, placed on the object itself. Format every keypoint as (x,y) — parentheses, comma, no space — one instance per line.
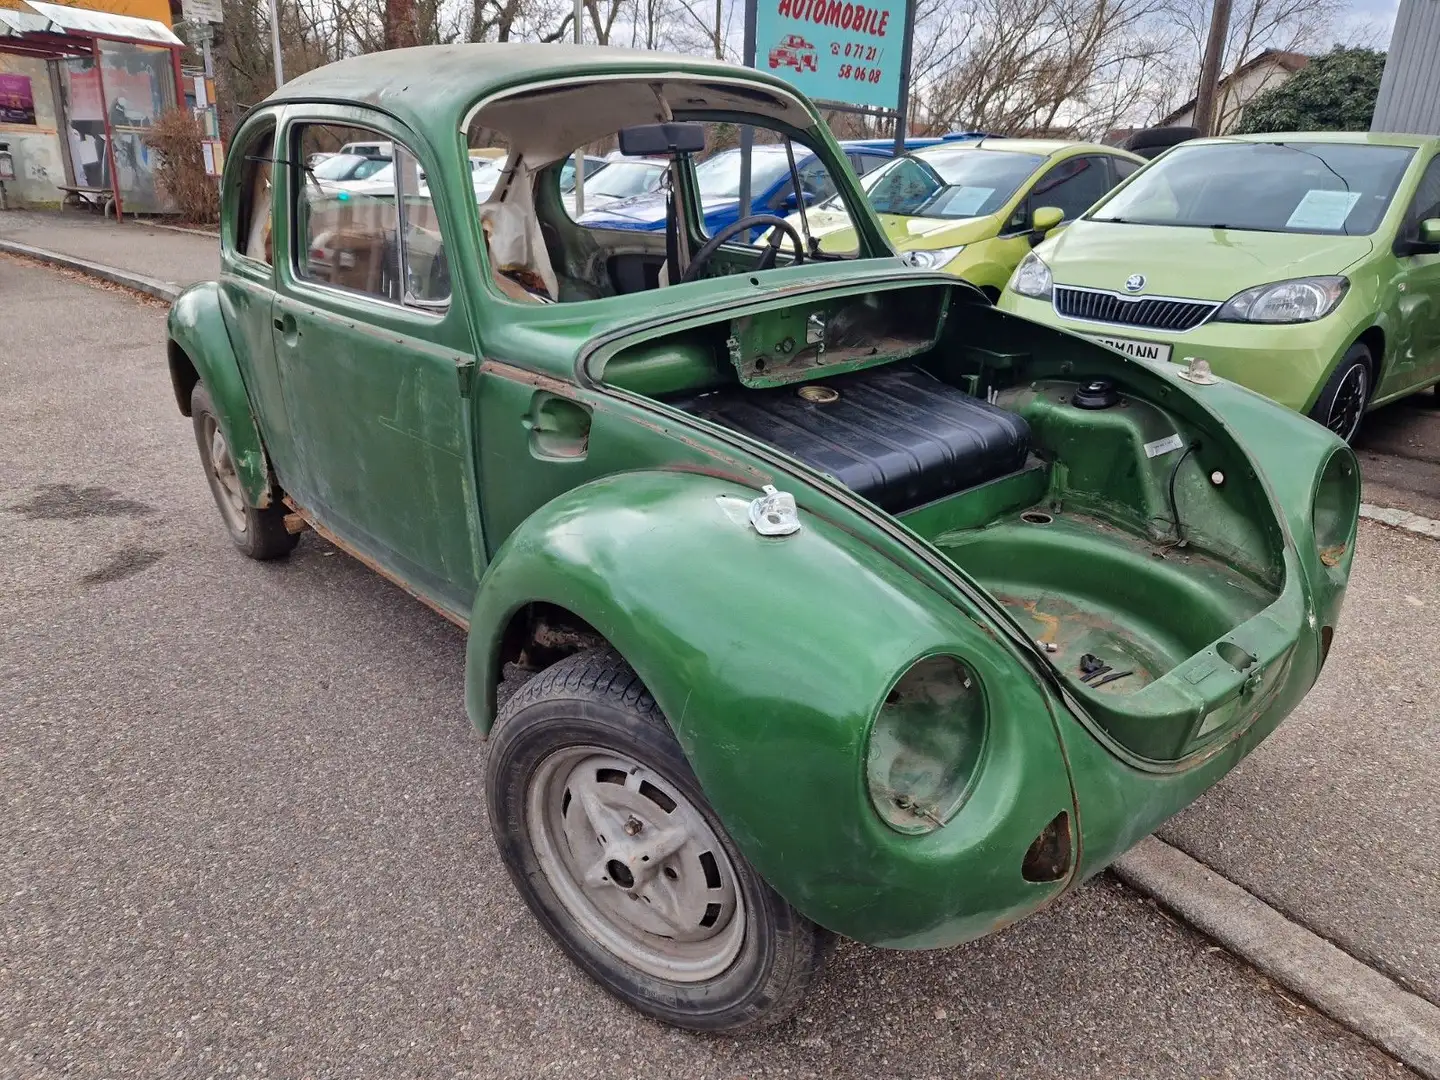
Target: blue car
(771,191)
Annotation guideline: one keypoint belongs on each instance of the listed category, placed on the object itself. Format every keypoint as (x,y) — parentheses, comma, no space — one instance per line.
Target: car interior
(540,253)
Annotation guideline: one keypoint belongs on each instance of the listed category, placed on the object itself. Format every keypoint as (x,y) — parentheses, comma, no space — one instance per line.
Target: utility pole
(1210,68)
(580,152)
(275,43)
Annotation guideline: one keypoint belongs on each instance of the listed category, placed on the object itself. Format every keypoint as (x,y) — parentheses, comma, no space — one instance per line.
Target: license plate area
(1154,351)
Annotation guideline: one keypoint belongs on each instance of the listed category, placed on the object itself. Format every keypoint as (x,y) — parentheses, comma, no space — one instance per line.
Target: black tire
(260,534)
(595,700)
(1341,404)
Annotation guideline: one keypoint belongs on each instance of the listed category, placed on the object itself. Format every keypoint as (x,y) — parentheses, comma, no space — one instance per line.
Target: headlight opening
(926,744)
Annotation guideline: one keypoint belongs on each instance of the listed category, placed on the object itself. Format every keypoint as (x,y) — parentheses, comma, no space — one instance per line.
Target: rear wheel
(1341,404)
(260,534)
(612,844)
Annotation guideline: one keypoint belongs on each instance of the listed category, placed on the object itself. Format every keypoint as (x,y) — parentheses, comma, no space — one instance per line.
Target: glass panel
(1265,187)
(346,230)
(85,112)
(139,83)
(427,272)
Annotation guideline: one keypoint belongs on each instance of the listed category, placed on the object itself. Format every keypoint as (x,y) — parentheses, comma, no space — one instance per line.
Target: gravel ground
(243,832)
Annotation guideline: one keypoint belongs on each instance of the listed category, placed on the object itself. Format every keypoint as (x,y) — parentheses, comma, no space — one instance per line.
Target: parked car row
(1303,266)
(838,600)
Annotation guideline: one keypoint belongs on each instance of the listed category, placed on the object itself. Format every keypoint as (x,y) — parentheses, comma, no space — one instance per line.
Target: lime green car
(1304,266)
(975,209)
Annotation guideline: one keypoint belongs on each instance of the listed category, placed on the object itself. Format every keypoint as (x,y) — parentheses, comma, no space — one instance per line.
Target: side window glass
(253,209)
(1427,196)
(1073,186)
(816,181)
(363,217)
(1124,168)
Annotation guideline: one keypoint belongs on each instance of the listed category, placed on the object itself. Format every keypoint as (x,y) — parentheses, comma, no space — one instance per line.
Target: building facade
(1409,98)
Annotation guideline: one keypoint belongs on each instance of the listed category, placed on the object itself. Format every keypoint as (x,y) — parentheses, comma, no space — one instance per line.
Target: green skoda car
(975,209)
(1305,266)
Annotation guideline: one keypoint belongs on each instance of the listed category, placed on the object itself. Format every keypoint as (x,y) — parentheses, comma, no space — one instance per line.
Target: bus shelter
(79,89)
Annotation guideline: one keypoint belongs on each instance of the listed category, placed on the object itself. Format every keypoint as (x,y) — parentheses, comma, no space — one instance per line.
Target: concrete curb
(1403,1024)
(182,229)
(160,290)
(1401,519)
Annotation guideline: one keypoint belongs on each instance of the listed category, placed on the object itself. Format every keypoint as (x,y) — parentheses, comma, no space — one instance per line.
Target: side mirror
(1430,231)
(790,202)
(1042,221)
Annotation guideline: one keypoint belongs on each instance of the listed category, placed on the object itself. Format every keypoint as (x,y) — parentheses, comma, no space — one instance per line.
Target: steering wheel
(755,221)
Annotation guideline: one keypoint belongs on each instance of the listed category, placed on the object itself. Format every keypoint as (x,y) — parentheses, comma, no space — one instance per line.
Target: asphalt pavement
(244,833)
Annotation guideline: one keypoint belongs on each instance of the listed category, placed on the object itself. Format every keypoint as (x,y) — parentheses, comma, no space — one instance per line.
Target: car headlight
(1032,277)
(932,259)
(926,744)
(1295,301)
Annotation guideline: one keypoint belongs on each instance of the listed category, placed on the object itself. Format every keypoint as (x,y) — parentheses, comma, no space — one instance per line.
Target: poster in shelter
(17,100)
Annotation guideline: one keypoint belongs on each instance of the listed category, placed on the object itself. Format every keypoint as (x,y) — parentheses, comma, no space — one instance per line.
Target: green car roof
(431,87)
(1371,138)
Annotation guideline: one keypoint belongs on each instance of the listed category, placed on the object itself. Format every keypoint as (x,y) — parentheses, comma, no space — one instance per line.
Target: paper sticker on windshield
(1163,446)
(967,201)
(1323,209)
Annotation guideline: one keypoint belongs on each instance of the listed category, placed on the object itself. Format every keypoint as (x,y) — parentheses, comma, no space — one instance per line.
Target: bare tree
(1034,66)
(1286,26)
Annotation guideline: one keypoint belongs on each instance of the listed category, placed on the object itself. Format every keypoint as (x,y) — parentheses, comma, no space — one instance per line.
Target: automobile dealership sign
(834,50)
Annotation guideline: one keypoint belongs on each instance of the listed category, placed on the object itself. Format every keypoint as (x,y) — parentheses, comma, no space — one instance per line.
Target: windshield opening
(1334,188)
(949,184)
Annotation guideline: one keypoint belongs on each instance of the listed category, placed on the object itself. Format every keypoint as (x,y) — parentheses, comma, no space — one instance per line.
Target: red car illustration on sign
(794,52)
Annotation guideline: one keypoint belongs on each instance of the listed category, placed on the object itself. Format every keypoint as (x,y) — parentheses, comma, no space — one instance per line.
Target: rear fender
(197,333)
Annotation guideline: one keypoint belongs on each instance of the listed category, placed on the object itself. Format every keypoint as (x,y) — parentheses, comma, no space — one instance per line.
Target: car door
(1415,348)
(370,346)
(247,283)
(1073,185)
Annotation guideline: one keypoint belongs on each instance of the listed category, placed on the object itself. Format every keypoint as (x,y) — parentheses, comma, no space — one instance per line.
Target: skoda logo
(1135,282)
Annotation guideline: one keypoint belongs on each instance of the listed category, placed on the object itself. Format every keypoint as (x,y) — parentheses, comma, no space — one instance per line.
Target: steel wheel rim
(222,468)
(1348,404)
(650,883)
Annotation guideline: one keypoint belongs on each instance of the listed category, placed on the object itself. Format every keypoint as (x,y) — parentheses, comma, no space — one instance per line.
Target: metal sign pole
(747,133)
(275,44)
(580,151)
(902,110)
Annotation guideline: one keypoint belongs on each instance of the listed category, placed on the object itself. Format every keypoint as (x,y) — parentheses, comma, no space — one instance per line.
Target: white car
(616,180)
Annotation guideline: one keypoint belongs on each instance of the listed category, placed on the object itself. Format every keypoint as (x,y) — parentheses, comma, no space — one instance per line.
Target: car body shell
(1392,304)
(410,439)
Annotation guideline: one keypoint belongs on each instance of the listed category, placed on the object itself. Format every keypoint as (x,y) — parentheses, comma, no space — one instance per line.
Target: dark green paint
(494,455)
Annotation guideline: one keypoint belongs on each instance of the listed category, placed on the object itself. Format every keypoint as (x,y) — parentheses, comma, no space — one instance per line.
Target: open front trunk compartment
(1125,533)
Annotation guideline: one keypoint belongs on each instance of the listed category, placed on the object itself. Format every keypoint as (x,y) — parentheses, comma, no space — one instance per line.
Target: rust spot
(1331,556)
(530,378)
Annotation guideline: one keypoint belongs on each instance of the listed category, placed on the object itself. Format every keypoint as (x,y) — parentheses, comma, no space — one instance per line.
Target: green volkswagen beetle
(1304,266)
(829,599)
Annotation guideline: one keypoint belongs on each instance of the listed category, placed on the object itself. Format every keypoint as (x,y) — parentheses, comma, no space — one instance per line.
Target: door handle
(287,327)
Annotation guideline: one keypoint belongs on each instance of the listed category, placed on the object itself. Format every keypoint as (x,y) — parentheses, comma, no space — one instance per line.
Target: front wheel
(260,534)
(612,844)
(1341,404)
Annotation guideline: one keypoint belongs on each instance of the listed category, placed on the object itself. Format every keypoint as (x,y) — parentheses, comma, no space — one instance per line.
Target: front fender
(196,328)
(770,657)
